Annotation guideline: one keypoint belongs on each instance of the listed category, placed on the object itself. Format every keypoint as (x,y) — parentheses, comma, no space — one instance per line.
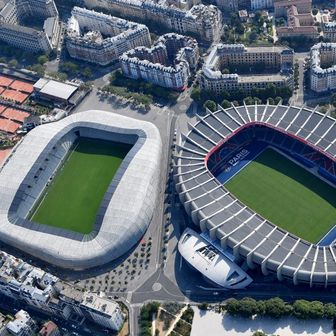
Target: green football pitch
(72,200)
(287,195)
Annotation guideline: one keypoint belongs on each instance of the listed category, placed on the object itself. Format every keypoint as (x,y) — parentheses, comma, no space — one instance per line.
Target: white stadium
(125,211)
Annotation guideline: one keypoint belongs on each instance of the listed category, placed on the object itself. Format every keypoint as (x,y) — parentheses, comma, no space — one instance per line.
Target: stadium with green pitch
(286,194)
(260,183)
(80,192)
(73,198)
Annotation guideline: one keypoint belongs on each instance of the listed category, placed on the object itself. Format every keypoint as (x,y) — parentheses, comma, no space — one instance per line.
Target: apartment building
(183,4)
(329,31)
(22,325)
(281,6)
(300,21)
(17,29)
(100,38)
(220,71)
(168,63)
(105,312)
(203,21)
(44,291)
(323,68)
(261,4)
(228,5)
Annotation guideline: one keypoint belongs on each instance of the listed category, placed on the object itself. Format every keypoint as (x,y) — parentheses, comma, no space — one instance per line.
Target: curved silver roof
(125,211)
(230,221)
(213,264)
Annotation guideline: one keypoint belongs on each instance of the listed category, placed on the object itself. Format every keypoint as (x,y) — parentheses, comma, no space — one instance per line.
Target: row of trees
(276,307)
(271,92)
(137,98)
(145,319)
(118,79)
(212,105)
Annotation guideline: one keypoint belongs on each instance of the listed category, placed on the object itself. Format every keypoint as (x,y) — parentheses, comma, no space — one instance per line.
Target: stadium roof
(56,89)
(227,219)
(125,211)
(211,262)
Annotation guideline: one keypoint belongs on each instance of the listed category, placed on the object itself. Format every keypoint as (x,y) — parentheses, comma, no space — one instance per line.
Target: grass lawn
(73,199)
(287,195)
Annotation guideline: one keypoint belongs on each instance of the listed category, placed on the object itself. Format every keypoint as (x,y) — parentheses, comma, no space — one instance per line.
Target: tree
(276,307)
(304,309)
(329,310)
(39,69)
(249,100)
(87,72)
(248,307)
(203,306)
(69,67)
(225,104)
(196,94)
(277,100)
(13,63)
(270,101)
(211,105)
(259,333)
(333,99)
(85,86)
(315,11)
(253,36)
(42,59)
(232,306)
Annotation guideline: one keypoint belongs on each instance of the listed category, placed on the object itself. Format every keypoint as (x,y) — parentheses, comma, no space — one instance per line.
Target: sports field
(73,199)
(287,195)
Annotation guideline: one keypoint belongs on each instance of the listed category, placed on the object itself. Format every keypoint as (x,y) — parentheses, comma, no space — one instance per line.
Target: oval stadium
(259,182)
(81,192)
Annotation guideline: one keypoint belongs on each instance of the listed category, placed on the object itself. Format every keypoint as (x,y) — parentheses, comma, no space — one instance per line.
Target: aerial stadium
(259,182)
(81,192)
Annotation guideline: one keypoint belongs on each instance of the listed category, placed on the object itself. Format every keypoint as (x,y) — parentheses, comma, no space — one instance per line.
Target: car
(22,131)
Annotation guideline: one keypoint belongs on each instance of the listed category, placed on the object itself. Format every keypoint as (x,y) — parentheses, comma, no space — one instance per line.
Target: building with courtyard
(168,63)
(203,21)
(100,38)
(233,66)
(323,68)
(31,25)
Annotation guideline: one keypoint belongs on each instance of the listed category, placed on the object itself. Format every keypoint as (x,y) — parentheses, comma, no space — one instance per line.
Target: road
(298,97)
